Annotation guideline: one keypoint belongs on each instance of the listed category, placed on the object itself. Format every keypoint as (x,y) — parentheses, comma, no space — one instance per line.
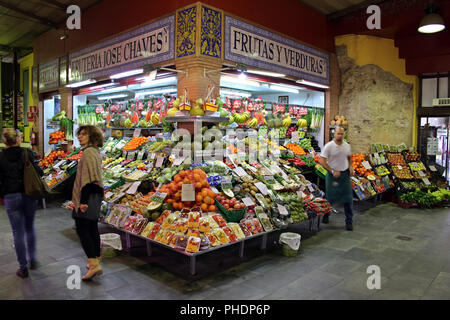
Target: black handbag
(93,211)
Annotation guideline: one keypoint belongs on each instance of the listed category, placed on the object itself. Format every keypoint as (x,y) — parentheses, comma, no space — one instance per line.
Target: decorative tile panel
(186,32)
(211,33)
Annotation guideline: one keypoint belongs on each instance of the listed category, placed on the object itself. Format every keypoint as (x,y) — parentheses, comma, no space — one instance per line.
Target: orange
(204,183)
(178,195)
(199,198)
(204,192)
(204,207)
(211,193)
(197,177)
(208,200)
(212,208)
(177,178)
(180,184)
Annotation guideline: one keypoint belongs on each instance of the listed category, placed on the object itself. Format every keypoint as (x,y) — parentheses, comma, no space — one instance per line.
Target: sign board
(49,75)
(149,44)
(187,192)
(63,71)
(257,47)
(294,136)
(432,146)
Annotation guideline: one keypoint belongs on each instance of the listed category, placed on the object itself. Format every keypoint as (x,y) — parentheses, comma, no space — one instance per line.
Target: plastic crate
(231,215)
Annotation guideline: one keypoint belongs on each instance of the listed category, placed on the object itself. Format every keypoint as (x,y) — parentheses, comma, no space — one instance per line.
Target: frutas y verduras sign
(150,44)
(260,48)
(49,75)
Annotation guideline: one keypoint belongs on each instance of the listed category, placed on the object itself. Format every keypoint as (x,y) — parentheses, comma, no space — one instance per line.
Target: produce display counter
(192,256)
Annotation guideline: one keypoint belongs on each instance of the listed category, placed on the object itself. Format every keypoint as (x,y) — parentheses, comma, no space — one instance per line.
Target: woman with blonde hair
(20,208)
(88,195)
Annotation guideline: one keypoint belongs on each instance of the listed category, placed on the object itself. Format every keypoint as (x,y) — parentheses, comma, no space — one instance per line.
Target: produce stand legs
(149,248)
(264,242)
(192,265)
(128,240)
(241,250)
(43,204)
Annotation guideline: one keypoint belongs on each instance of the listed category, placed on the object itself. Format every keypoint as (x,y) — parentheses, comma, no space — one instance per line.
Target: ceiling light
(116,89)
(312,84)
(235,93)
(432,22)
(239,80)
(159,91)
(152,83)
(283,88)
(81,83)
(126,74)
(102,86)
(116,96)
(242,76)
(267,73)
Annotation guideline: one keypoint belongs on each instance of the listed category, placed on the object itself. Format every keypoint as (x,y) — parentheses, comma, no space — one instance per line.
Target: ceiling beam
(4,47)
(39,19)
(57,4)
(357,7)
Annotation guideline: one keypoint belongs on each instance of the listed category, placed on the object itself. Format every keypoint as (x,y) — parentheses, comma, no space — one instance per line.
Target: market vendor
(336,158)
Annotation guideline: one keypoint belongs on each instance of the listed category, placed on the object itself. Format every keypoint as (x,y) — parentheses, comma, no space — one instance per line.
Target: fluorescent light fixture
(239,80)
(235,93)
(312,84)
(115,96)
(154,83)
(103,86)
(267,73)
(81,83)
(242,76)
(283,88)
(126,74)
(432,22)
(158,91)
(116,89)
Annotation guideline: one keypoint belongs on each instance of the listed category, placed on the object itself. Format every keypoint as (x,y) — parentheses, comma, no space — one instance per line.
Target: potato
(338,123)
(336,118)
(345,123)
(333,122)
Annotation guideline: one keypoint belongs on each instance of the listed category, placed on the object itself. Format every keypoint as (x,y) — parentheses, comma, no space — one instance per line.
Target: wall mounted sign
(34,79)
(253,46)
(150,44)
(49,75)
(63,71)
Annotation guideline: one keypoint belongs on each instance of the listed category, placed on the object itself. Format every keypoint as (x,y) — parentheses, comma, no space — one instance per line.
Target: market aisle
(332,264)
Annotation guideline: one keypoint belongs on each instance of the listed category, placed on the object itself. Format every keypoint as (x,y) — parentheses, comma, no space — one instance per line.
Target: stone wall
(378,105)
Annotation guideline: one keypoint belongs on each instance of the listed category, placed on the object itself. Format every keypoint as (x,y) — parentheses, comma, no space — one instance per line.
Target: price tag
(136,133)
(226,185)
(433,168)
(108,194)
(241,156)
(248,202)
(275,168)
(215,190)
(422,174)
(178,161)
(159,197)
(427,182)
(294,136)
(152,156)
(120,195)
(130,155)
(285,176)
(252,169)
(124,154)
(110,139)
(399,167)
(240,172)
(366,165)
(377,156)
(262,187)
(59,163)
(133,188)
(125,186)
(187,192)
(140,155)
(310,188)
(282,209)
(159,162)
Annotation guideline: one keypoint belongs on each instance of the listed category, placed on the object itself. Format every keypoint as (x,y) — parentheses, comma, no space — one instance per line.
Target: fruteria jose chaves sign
(253,46)
(150,44)
(48,75)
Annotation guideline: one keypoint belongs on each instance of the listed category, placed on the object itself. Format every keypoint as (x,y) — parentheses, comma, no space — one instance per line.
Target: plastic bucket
(290,243)
(110,242)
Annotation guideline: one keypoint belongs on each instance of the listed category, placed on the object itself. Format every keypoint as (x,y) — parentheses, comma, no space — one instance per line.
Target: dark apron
(342,192)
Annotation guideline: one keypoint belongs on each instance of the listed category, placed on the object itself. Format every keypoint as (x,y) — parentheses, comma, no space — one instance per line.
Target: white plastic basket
(111,240)
(290,242)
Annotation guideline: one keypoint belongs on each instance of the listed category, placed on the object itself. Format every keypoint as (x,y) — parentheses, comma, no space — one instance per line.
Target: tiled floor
(332,264)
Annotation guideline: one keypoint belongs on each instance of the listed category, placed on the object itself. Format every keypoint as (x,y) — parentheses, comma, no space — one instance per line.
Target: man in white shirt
(336,158)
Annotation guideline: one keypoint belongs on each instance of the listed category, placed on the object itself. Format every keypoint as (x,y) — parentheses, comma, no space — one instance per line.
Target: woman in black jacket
(19,207)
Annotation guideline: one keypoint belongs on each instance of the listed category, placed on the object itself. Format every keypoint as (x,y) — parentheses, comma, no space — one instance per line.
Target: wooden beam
(57,4)
(4,47)
(352,9)
(39,19)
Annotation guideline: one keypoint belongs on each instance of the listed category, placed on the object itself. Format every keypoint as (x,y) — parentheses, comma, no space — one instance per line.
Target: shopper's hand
(336,174)
(352,172)
(83,207)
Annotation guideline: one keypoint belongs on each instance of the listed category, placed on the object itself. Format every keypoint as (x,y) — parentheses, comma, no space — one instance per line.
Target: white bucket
(110,242)
(291,243)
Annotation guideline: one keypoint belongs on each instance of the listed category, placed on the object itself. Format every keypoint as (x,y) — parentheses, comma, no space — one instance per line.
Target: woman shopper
(20,208)
(88,195)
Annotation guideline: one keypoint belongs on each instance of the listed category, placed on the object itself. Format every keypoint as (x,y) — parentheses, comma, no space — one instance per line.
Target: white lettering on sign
(48,75)
(246,42)
(148,42)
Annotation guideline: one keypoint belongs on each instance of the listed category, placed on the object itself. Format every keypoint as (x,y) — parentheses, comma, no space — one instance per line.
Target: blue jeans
(348,208)
(21,210)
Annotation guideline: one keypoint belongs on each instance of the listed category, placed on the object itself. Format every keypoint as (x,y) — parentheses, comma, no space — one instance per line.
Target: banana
(253,123)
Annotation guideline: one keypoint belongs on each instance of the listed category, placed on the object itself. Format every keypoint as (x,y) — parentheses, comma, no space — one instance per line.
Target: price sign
(159,162)
(248,202)
(226,185)
(294,136)
(187,192)
(133,188)
(125,186)
(377,156)
(120,195)
(433,168)
(136,133)
(178,161)
(252,169)
(140,155)
(215,190)
(282,209)
(262,187)
(275,168)
(427,182)
(422,174)
(108,194)
(310,188)
(301,194)
(285,176)
(366,165)
(159,197)
(124,154)
(399,167)
(130,155)
(241,156)
(240,172)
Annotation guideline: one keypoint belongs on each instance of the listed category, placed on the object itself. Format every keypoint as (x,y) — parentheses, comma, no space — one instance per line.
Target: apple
(237,206)
(226,206)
